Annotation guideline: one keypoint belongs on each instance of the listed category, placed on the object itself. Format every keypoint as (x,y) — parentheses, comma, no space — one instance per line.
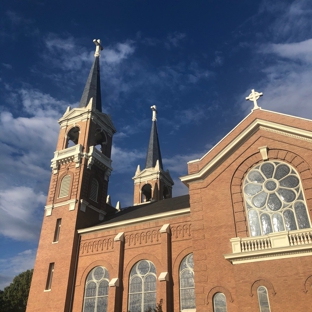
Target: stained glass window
(263,299)
(219,303)
(187,284)
(274,199)
(96,290)
(142,287)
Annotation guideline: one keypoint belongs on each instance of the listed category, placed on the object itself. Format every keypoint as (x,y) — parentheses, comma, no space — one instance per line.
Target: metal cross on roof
(153,108)
(98,48)
(254,96)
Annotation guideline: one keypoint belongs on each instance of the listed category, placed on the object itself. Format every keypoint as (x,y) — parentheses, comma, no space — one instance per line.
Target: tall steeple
(152,183)
(153,151)
(81,167)
(93,85)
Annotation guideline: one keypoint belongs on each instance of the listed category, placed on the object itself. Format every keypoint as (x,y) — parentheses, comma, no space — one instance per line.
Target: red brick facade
(217,214)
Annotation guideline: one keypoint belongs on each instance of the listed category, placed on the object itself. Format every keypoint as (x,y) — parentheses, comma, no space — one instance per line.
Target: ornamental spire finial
(254,96)
(98,47)
(153,108)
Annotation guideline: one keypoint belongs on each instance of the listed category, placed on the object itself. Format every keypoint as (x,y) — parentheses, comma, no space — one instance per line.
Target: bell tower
(152,183)
(81,167)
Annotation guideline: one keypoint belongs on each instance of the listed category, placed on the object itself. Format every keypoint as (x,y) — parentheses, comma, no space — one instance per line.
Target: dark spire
(153,151)
(93,86)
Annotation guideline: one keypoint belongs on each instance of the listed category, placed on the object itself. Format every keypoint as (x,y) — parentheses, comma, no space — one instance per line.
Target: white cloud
(10,267)
(18,207)
(126,160)
(117,53)
(174,39)
(300,51)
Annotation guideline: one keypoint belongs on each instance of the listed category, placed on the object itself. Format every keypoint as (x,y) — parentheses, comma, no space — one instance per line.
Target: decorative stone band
(83,207)
(75,154)
(95,156)
(71,206)
(273,246)
(65,156)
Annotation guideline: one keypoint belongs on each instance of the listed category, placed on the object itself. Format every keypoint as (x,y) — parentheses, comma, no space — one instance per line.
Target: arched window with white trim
(187,284)
(64,187)
(96,290)
(142,287)
(274,199)
(219,303)
(263,299)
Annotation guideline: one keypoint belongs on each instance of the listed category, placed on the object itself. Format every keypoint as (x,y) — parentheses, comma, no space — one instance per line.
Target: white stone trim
(120,237)
(114,282)
(72,202)
(65,156)
(278,245)
(83,207)
(241,138)
(95,156)
(136,220)
(163,277)
(165,228)
(264,152)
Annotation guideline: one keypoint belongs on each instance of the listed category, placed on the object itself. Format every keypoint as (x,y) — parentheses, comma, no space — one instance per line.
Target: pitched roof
(149,209)
(153,151)
(93,87)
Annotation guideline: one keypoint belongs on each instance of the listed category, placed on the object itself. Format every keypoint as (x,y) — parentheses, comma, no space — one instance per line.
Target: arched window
(142,287)
(187,284)
(94,188)
(96,291)
(64,188)
(219,302)
(146,193)
(263,299)
(274,199)
(72,137)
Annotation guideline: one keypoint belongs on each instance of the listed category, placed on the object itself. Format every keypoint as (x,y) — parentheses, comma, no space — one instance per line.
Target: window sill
(47,290)
(270,247)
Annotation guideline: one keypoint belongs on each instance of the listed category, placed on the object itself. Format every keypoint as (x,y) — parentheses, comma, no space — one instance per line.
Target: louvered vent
(64,189)
(94,190)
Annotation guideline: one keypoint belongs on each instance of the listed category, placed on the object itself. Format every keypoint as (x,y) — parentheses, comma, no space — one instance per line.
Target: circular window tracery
(274,199)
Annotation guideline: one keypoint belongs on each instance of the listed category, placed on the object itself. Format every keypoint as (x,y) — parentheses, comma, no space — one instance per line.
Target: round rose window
(274,199)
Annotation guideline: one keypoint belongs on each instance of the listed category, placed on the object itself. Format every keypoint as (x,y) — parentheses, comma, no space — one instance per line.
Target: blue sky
(195,60)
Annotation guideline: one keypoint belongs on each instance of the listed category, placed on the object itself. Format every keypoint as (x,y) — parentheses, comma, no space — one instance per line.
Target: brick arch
(239,212)
(262,282)
(219,289)
(81,280)
(307,284)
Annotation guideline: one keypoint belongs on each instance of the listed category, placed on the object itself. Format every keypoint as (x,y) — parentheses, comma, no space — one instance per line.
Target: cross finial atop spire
(153,108)
(98,48)
(254,96)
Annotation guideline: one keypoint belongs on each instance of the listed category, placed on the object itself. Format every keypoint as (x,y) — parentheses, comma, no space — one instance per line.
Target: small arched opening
(72,137)
(100,140)
(146,193)
(166,193)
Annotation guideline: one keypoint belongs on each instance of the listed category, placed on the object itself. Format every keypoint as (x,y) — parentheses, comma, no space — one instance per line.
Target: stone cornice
(136,220)
(72,117)
(229,149)
(75,154)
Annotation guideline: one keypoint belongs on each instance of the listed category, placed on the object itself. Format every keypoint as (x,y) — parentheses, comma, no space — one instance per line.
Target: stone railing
(272,240)
(272,246)
(67,155)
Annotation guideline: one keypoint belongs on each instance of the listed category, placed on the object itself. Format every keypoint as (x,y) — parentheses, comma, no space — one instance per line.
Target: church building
(240,241)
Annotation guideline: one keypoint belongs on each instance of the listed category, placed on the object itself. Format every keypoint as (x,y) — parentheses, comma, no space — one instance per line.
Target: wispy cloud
(174,39)
(10,267)
(18,206)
